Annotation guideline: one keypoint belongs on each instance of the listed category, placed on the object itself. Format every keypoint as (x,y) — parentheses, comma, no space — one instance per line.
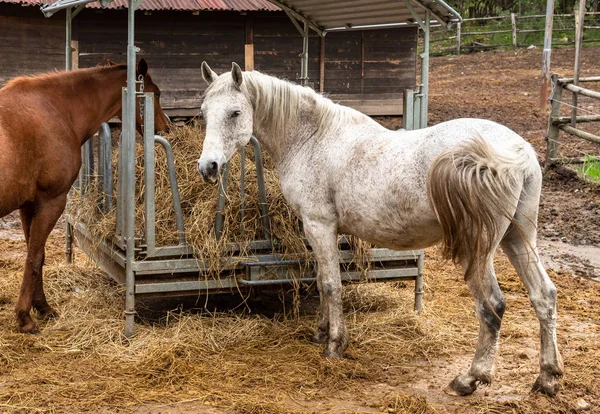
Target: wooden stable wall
(29,43)
(364,69)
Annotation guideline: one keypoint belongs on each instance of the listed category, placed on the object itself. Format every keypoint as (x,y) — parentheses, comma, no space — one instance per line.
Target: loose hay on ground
(253,364)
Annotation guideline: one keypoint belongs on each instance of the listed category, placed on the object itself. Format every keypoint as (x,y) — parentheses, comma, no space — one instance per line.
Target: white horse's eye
(235,114)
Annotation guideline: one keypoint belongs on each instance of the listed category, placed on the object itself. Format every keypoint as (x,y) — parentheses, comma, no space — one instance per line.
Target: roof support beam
(299,16)
(415,15)
(295,21)
(427,9)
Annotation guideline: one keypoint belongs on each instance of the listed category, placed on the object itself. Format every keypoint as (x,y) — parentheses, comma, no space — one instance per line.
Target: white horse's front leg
(322,236)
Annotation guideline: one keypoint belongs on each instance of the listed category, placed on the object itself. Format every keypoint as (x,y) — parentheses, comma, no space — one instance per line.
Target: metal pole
(68,66)
(546,54)
(425,72)
(105,167)
(220,219)
(174,187)
(129,176)
(579,21)
(304,70)
(419,283)
(243,187)
(262,192)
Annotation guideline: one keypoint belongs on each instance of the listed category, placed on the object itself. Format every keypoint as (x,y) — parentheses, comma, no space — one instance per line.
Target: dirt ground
(259,360)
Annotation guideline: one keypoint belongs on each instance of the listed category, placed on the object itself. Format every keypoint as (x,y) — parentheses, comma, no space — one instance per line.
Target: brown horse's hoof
(48,314)
(29,328)
(460,387)
(548,386)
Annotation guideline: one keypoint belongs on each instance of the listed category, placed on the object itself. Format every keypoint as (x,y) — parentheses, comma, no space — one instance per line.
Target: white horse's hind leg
(332,326)
(489,304)
(521,249)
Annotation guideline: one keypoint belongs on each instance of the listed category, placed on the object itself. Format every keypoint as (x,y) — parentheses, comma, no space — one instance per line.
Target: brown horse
(44,120)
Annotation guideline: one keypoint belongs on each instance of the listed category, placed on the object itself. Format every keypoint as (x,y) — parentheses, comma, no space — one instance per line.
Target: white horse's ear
(208,74)
(236,73)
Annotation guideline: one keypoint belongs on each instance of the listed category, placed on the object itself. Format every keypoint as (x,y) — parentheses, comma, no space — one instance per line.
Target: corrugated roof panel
(354,13)
(184,5)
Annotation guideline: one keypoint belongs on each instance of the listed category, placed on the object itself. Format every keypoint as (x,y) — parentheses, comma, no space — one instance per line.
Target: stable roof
(183,5)
(329,16)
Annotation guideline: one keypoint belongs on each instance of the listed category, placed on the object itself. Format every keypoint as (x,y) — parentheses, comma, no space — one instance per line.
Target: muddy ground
(397,362)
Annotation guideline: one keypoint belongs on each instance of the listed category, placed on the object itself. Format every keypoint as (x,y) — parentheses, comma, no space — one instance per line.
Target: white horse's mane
(278,103)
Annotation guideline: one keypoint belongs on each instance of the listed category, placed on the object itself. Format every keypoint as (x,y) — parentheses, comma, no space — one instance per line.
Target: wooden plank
(249,57)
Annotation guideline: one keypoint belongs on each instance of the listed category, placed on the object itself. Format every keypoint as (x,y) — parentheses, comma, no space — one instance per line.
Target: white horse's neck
(287,115)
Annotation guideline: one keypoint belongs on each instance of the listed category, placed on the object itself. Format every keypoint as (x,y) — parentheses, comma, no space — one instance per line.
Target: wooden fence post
(513,21)
(553,129)
(579,21)
(458,38)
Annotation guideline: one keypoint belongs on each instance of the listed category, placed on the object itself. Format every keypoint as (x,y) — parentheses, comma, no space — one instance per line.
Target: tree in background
(485,8)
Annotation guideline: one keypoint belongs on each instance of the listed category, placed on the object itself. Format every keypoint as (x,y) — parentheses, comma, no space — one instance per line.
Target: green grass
(591,168)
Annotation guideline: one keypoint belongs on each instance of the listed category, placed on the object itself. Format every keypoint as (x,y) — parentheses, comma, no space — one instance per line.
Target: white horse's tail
(472,188)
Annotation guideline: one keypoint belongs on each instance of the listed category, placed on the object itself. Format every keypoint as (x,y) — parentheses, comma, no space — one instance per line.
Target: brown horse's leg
(39,297)
(42,221)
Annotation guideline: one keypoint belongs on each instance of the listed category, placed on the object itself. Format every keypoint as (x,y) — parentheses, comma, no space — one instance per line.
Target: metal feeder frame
(147,269)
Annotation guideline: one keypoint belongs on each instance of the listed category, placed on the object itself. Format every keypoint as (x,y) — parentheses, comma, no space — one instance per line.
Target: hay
(243,362)
(199,205)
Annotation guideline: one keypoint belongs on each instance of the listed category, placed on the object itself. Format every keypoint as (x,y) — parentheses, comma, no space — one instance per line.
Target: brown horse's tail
(471,187)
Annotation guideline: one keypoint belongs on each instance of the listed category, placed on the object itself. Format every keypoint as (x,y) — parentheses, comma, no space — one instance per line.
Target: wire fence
(511,31)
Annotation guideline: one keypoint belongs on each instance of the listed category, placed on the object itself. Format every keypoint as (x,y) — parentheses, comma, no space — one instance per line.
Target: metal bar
(68,66)
(425,73)
(295,22)
(581,134)
(304,57)
(120,223)
(49,10)
(553,129)
(105,168)
(419,284)
(432,13)
(243,187)
(450,10)
(149,172)
(221,203)
(129,172)
(546,53)
(408,108)
(414,14)
(78,10)
(299,16)
(174,186)
(262,192)
(254,283)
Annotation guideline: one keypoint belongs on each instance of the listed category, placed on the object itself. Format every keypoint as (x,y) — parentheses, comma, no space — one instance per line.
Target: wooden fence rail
(557,123)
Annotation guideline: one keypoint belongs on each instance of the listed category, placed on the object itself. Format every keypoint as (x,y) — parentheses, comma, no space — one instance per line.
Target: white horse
(471,184)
